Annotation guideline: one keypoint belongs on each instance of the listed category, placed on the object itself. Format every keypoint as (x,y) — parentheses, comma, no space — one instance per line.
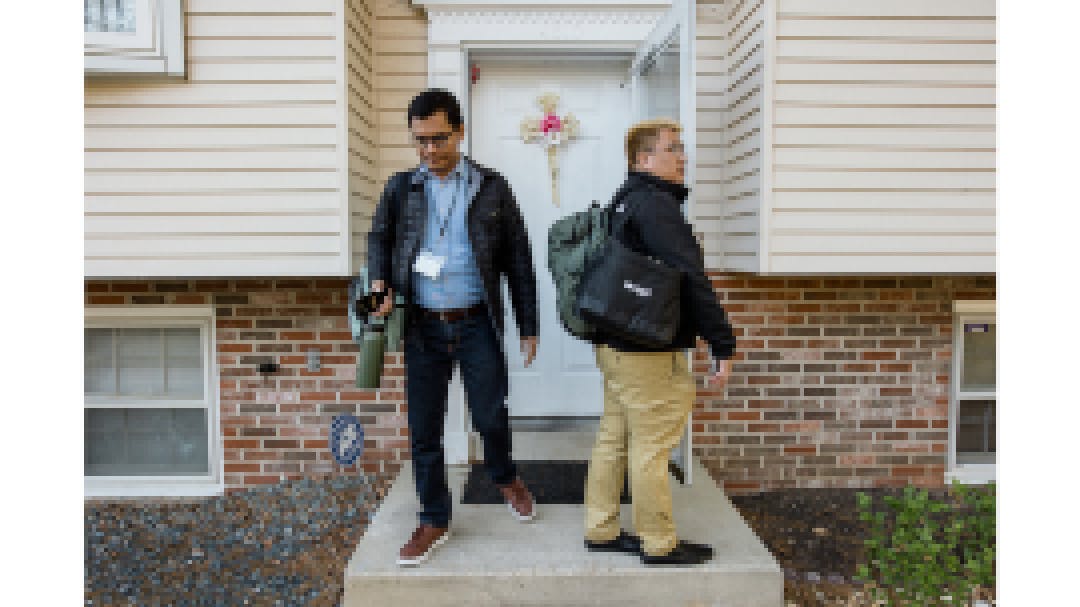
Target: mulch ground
(817,537)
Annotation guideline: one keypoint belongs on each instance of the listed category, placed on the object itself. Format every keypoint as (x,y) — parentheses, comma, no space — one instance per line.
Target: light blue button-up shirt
(459,284)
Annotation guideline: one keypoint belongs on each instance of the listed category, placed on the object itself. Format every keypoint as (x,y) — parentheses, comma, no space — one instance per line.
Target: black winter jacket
(497,234)
(648,219)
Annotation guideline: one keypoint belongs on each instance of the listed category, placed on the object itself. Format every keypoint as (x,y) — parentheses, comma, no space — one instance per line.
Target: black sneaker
(626,542)
(702,549)
(684,553)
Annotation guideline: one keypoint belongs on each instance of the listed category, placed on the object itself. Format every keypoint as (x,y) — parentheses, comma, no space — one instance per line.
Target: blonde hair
(642,137)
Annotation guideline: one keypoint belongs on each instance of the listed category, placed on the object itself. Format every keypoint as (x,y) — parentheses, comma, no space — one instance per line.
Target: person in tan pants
(649,392)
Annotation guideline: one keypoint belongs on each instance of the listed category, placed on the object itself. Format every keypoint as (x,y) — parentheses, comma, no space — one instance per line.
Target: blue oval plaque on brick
(346,439)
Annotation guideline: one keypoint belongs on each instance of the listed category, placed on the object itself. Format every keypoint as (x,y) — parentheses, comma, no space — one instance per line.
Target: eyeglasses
(438,140)
(675,148)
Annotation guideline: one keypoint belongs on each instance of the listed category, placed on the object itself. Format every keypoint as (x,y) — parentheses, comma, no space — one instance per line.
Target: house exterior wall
(362,136)
(730,57)
(876,144)
(265,164)
(401,71)
(237,170)
(838,381)
(275,428)
(884,153)
(834,136)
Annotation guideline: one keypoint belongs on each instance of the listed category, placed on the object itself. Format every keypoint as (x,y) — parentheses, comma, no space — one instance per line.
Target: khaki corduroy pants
(647,401)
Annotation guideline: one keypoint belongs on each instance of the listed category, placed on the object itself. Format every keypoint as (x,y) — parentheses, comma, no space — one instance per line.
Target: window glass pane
(976,432)
(109,15)
(101,427)
(99,375)
(146,442)
(105,421)
(980,357)
(139,356)
(142,371)
(183,363)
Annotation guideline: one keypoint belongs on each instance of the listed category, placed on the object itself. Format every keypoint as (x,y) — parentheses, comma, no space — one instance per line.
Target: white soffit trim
(452,25)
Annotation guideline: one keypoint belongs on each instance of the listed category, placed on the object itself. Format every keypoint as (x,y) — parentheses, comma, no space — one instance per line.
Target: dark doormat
(551,482)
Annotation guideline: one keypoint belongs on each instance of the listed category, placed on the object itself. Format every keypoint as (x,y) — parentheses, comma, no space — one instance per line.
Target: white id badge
(429,265)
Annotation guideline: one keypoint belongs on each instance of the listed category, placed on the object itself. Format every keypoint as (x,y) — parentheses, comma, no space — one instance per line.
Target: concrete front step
(492,559)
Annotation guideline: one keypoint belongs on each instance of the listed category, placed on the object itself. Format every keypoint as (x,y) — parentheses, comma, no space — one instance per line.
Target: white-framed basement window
(133,37)
(149,413)
(973,405)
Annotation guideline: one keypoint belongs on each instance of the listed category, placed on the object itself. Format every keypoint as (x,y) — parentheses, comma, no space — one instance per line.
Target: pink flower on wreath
(550,123)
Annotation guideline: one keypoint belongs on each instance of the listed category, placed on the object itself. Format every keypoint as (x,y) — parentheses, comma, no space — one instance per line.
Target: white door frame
(458,27)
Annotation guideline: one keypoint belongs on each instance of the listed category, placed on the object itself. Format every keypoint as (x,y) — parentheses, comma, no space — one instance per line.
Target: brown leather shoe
(518,500)
(422,543)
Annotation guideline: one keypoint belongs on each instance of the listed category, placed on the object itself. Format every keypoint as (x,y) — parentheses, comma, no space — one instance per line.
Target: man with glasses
(443,236)
(649,392)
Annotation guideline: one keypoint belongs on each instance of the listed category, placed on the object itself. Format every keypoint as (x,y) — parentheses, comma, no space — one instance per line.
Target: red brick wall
(275,427)
(838,382)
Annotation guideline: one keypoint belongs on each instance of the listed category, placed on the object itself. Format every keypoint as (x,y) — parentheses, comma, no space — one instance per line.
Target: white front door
(563,380)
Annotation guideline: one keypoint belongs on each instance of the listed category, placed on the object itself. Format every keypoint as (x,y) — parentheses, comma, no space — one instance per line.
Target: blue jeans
(431,348)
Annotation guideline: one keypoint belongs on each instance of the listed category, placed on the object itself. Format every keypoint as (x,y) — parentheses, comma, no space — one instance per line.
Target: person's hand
(528,349)
(719,377)
(388,301)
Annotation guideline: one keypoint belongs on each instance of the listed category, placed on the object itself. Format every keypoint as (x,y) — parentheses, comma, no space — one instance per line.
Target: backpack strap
(612,215)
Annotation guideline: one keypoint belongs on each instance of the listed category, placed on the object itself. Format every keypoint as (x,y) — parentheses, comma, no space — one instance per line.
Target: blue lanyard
(459,193)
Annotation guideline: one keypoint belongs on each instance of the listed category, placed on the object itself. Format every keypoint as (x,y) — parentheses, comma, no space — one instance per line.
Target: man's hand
(528,349)
(388,301)
(719,377)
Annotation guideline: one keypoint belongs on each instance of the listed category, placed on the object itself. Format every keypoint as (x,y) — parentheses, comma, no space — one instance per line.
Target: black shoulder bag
(629,294)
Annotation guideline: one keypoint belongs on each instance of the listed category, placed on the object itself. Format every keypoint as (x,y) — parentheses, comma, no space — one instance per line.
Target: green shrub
(921,549)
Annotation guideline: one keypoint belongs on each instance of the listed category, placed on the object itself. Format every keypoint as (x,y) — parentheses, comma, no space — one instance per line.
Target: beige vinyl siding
(363,128)
(386,45)
(884,151)
(731,52)
(236,170)
(400,73)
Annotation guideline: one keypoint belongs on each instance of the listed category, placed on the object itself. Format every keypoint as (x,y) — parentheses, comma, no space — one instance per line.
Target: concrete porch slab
(492,559)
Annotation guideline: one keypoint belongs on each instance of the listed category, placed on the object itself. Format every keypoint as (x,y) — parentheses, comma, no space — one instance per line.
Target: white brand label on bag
(637,289)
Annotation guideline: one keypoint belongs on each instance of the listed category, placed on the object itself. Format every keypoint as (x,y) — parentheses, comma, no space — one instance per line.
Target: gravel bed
(286,544)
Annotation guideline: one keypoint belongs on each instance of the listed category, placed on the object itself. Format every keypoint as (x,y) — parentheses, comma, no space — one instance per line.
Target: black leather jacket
(648,219)
(497,234)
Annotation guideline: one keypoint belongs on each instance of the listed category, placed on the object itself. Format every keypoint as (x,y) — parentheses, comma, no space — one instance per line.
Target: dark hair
(430,101)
